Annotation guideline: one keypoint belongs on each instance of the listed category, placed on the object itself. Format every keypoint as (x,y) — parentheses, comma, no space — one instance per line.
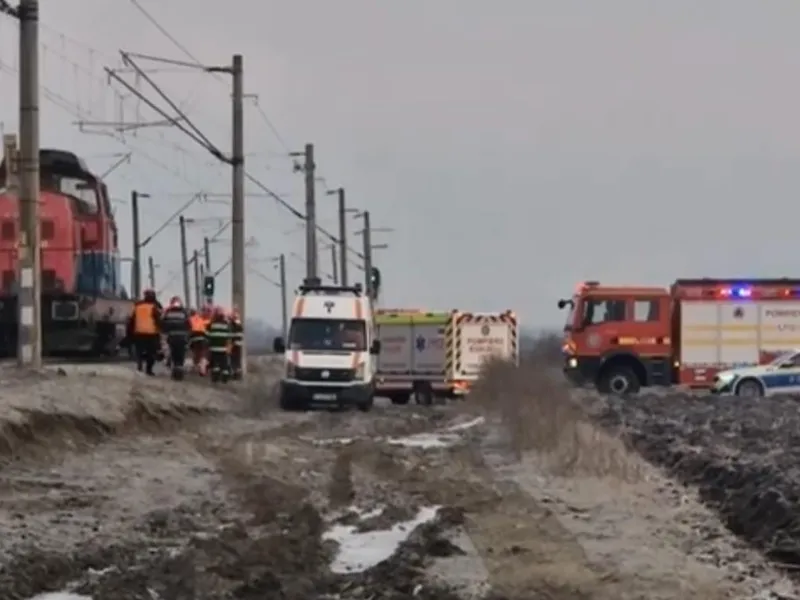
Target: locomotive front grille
(333,375)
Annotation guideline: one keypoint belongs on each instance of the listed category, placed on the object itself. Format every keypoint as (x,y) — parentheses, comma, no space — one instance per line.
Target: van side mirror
(375,349)
(278,345)
(561,304)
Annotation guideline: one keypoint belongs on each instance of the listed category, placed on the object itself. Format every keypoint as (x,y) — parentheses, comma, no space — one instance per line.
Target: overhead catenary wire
(205,143)
(261,275)
(198,64)
(7,9)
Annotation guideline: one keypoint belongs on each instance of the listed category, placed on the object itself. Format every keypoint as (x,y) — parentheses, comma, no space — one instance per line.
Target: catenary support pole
(136,267)
(237,197)
(312,272)
(29,323)
(198,282)
(284,295)
(334,268)
(151,272)
(207,254)
(367,255)
(185,261)
(342,237)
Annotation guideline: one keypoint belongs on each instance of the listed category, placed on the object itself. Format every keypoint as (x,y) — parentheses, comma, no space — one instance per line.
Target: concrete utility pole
(151,272)
(136,271)
(29,328)
(367,254)
(309,169)
(342,236)
(284,295)
(198,282)
(184,261)
(207,253)
(237,196)
(335,270)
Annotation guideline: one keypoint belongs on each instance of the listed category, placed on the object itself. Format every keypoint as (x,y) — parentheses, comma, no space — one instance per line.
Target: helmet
(149,295)
(219,311)
(175,301)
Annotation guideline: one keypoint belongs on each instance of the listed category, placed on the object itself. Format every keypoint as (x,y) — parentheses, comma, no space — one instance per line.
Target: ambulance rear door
(429,362)
(480,337)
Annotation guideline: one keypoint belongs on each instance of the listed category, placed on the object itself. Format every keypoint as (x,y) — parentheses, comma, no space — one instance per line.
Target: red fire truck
(621,339)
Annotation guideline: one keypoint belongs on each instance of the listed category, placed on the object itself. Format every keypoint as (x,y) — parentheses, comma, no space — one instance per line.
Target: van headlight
(360,372)
(291,370)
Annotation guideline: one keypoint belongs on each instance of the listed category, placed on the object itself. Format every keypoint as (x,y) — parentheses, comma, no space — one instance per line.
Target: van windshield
(328,334)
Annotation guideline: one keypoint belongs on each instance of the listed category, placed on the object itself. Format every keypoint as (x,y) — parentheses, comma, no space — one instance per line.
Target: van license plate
(324,397)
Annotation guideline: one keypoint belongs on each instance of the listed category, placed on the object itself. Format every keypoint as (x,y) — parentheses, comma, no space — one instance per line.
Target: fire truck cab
(621,339)
(618,338)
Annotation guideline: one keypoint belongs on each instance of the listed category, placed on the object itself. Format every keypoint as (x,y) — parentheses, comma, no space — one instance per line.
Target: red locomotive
(84,305)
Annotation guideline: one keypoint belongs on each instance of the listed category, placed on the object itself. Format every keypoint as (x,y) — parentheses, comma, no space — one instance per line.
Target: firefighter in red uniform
(176,325)
(144,331)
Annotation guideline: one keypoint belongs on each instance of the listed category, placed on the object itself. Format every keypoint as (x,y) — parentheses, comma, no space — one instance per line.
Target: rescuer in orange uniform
(144,331)
(197,341)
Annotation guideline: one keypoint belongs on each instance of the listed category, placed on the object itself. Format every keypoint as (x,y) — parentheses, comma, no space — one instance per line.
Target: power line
(153,21)
(200,139)
(7,9)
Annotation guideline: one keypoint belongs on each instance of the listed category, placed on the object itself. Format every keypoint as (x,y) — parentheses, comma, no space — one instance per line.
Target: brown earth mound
(49,411)
(741,454)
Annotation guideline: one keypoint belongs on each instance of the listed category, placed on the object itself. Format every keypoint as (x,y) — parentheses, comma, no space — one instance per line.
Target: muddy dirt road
(113,485)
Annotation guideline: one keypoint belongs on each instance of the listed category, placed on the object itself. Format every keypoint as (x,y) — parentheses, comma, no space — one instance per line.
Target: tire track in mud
(257,533)
(525,550)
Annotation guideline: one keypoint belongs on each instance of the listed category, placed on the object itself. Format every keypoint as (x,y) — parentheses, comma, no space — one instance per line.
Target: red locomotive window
(8,232)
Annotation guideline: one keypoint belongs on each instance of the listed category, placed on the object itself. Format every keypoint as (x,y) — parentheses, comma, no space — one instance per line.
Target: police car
(781,376)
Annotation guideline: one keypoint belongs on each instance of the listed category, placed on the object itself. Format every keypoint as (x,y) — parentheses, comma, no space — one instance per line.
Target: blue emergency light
(737,292)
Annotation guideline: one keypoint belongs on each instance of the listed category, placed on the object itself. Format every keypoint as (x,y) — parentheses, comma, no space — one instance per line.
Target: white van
(330,355)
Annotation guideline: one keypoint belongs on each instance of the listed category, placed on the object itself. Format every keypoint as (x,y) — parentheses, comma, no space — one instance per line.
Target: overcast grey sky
(516,146)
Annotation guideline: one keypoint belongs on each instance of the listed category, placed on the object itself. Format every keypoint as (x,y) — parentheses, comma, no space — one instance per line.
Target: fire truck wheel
(620,381)
(750,388)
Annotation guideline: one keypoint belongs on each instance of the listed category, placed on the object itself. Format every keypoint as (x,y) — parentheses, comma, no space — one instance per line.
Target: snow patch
(332,441)
(359,551)
(425,441)
(60,596)
(467,425)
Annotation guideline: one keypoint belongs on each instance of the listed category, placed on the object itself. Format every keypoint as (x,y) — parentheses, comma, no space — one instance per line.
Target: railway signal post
(29,336)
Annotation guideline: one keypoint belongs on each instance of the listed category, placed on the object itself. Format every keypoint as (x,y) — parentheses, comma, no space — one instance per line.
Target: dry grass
(259,390)
(535,407)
